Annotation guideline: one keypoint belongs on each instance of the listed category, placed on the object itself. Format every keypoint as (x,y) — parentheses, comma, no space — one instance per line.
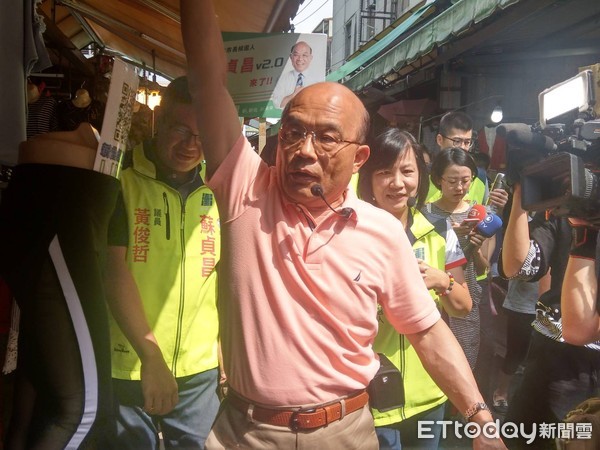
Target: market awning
(148,31)
(448,24)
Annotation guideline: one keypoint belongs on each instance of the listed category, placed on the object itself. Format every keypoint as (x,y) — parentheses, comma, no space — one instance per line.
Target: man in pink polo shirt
(304,265)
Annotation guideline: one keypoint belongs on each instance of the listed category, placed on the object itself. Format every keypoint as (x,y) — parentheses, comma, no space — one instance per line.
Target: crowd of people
(214,300)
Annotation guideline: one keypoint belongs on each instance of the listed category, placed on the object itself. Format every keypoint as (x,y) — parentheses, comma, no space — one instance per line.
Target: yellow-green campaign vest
(421,392)
(173,249)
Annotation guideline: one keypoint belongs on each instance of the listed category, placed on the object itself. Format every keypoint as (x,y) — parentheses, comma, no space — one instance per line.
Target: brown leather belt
(301,419)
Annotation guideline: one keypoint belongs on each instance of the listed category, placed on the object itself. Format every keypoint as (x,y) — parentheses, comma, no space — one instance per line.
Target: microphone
(476,215)
(411,202)
(520,135)
(477,212)
(488,227)
(317,191)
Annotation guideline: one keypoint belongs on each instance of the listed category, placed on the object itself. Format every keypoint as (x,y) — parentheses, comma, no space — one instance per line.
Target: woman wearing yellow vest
(395,179)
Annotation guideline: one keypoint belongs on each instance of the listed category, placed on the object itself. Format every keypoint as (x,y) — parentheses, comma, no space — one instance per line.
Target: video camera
(557,159)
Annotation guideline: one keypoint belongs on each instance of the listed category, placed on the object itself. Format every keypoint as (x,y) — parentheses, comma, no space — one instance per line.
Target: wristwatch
(479,406)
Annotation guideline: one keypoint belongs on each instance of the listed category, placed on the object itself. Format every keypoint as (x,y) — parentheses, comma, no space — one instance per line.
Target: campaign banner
(117,118)
(264,71)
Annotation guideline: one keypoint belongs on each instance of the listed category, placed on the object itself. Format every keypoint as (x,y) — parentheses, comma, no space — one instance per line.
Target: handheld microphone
(317,191)
(487,228)
(477,212)
(411,202)
(476,215)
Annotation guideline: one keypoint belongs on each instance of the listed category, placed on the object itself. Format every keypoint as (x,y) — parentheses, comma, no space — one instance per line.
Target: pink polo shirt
(299,306)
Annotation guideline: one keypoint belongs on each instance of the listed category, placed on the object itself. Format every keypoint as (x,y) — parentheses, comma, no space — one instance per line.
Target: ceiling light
(497,115)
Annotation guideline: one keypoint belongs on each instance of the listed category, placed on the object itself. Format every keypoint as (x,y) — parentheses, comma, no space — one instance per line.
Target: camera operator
(558,376)
(579,298)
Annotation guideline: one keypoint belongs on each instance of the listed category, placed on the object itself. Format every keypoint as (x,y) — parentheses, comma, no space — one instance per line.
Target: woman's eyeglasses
(454,182)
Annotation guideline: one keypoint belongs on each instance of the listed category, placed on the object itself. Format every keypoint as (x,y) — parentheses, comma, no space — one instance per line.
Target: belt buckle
(295,422)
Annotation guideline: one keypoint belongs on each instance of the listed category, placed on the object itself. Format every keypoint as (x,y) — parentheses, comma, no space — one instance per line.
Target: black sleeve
(544,232)
(118,230)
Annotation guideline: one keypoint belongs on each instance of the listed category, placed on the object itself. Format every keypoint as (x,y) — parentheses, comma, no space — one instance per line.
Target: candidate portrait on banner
(292,81)
(266,70)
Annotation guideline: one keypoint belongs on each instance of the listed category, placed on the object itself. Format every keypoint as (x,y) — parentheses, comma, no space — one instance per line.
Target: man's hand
(158,386)
(445,361)
(481,442)
(498,198)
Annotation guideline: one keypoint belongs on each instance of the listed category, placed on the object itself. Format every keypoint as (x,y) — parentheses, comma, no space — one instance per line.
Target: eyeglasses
(460,142)
(185,134)
(325,143)
(454,182)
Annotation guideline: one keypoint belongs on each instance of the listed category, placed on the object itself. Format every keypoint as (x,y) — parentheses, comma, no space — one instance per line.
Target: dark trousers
(518,337)
(557,377)
(53,228)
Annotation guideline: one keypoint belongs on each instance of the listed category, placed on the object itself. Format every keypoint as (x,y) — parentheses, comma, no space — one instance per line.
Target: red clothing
(497,151)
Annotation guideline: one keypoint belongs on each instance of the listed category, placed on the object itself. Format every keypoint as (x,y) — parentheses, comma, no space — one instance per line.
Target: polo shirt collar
(350,201)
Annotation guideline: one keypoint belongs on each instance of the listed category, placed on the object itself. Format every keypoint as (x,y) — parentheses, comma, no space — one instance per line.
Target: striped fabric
(548,322)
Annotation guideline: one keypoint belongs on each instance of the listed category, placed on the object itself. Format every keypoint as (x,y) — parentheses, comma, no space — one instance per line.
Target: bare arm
(444,360)
(458,302)
(480,261)
(580,319)
(217,116)
(484,256)
(158,384)
(516,238)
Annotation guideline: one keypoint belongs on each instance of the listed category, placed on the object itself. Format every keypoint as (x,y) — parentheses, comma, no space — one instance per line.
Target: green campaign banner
(265,71)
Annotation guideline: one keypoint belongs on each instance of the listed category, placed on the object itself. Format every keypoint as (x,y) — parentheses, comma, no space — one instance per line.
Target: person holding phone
(452,172)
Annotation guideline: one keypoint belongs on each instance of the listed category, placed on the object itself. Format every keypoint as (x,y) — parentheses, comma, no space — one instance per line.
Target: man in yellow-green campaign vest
(456,130)
(164,245)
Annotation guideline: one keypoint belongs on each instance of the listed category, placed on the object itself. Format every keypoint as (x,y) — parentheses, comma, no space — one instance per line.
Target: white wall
(344,11)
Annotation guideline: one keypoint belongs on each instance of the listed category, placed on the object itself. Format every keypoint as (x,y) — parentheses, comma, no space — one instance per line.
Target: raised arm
(516,238)
(218,122)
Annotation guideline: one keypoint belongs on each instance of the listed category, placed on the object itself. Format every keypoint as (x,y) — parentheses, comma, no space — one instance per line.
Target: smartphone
(499,182)
(469,222)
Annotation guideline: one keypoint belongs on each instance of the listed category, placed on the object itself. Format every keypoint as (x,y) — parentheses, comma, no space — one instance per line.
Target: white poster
(264,71)
(117,119)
